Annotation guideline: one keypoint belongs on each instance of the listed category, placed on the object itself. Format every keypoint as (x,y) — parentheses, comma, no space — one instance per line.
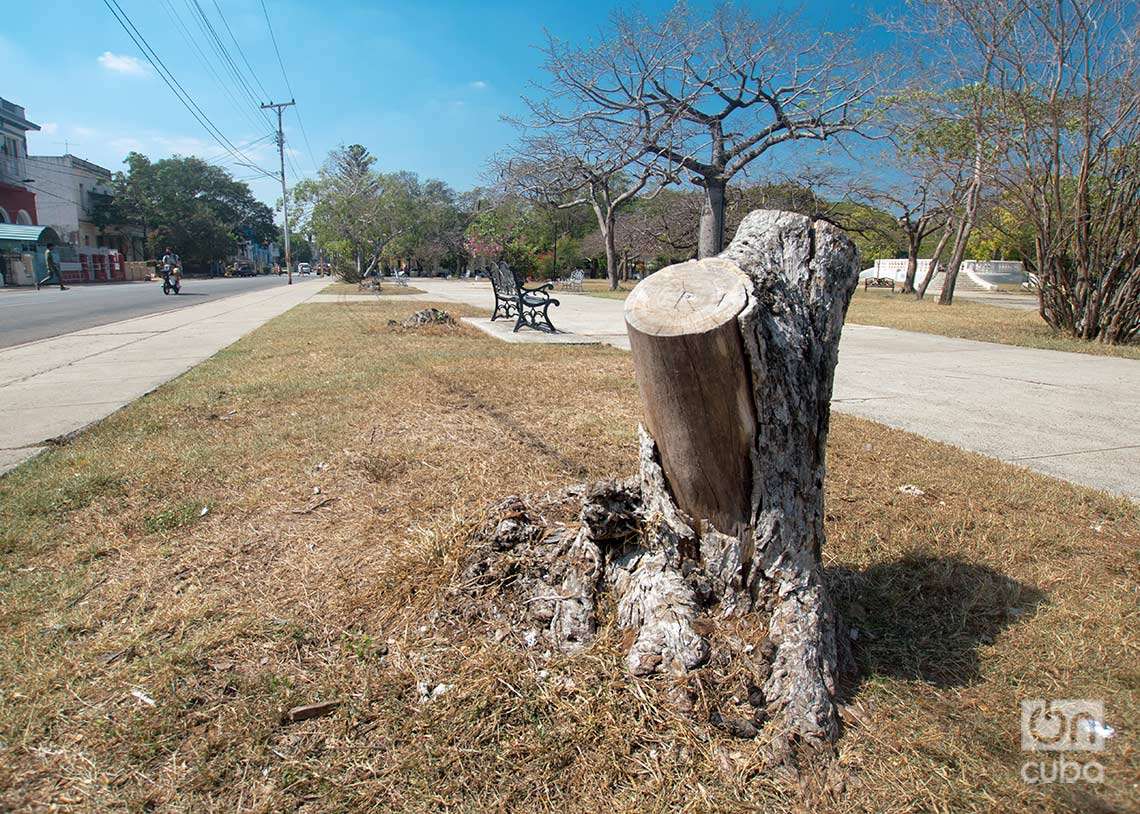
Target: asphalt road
(27,315)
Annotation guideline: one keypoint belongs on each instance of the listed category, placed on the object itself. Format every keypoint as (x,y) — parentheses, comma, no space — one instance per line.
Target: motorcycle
(171,280)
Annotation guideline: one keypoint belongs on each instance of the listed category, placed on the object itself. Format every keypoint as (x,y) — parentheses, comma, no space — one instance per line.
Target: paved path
(1069,415)
(27,315)
(999,299)
(56,386)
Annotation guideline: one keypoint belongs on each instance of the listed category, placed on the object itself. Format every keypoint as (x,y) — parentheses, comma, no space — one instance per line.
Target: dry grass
(996,585)
(971,320)
(387,290)
(601,288)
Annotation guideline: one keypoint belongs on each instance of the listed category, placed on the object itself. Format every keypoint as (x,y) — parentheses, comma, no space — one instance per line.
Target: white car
(303,268)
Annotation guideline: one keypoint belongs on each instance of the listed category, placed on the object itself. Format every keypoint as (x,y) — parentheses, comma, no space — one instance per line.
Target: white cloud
(479,84)
(49,128)
(123,63)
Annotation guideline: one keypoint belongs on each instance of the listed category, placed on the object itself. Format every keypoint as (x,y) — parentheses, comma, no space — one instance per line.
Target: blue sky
(422,84)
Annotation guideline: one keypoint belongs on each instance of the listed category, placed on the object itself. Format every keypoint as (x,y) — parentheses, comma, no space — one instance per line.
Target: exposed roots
(743,647)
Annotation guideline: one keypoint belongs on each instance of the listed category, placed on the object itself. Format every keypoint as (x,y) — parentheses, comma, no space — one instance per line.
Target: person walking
(52,269)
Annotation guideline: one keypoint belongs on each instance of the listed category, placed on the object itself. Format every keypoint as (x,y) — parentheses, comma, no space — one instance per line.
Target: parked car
(244,268)
(303,268)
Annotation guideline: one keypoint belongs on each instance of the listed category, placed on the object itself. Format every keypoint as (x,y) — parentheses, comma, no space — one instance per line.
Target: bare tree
(917,195)
(713,95)
(959,43)
(583,162)
(1067,81)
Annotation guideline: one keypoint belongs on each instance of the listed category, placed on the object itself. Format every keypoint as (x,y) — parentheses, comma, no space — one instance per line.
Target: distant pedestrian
(52,269)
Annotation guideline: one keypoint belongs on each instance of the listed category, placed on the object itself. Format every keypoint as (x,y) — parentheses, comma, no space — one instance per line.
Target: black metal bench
(879,282)
(527,306)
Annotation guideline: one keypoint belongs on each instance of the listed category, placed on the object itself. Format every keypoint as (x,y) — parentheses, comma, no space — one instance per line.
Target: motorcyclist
(171,266)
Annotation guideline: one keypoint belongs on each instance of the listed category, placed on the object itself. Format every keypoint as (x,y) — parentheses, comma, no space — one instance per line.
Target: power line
(215,41)
(288,86)
(176,88)
(240,50)
(245,146)
(172,12)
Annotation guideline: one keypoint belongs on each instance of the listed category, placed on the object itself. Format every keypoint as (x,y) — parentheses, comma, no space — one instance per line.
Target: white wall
(62,186)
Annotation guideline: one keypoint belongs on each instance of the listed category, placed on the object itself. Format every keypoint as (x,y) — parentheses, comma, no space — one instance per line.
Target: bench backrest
(503,279)
(577,275)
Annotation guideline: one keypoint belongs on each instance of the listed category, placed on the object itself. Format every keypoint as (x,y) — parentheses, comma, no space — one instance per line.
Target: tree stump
(714,549)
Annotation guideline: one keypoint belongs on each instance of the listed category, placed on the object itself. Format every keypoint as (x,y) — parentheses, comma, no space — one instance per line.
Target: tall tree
(355,211)
(193,206)
(957,44)
(584,163)
(710,95)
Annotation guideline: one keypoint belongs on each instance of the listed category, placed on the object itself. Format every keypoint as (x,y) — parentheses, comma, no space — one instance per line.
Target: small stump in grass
(427,316)
(711,553)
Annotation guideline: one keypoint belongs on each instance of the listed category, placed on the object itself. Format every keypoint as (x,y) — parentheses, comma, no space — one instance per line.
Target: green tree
(188,204)
(357,214)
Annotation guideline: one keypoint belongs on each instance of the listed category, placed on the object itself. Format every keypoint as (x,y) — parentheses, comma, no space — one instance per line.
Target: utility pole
(284,192)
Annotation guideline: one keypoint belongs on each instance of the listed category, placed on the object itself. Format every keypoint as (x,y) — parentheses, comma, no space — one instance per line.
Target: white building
(69,191)
(984,274)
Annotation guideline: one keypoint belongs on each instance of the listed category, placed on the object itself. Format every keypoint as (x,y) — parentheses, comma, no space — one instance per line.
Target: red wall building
(13,201)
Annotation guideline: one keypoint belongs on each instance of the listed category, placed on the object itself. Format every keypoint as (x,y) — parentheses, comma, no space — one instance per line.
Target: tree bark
(961,238)
(715,547)
(710,237)
(693,378)
(611,253)
(912,244)
(735,358)
(932,269)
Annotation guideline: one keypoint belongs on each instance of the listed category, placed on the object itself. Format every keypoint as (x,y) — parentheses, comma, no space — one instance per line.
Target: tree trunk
(554,259)
(611,253)
(735,358)
(946,297)
(932,269)
(912,245)
(710,238)
(713,551)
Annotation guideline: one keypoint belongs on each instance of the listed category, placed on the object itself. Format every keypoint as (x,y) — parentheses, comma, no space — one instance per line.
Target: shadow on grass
(924,617)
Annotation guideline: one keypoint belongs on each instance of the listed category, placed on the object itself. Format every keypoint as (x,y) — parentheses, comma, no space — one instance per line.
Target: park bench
(369,283)
(879,282)
(573,282)
(527,306)
(401,279)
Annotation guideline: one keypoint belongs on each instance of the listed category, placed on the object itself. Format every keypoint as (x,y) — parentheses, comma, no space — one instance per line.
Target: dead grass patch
(994,585)
(601,288)
(971,320)
(388,289)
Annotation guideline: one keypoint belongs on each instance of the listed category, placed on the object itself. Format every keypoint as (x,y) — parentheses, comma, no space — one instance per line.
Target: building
(22,253)
(71,191)
(263,256)
(17,202)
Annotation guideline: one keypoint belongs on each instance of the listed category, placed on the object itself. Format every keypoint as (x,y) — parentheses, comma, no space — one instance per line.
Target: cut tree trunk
(713,552)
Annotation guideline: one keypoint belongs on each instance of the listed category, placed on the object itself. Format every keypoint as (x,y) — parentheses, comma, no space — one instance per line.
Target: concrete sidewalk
(54,387)
(1069,415)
